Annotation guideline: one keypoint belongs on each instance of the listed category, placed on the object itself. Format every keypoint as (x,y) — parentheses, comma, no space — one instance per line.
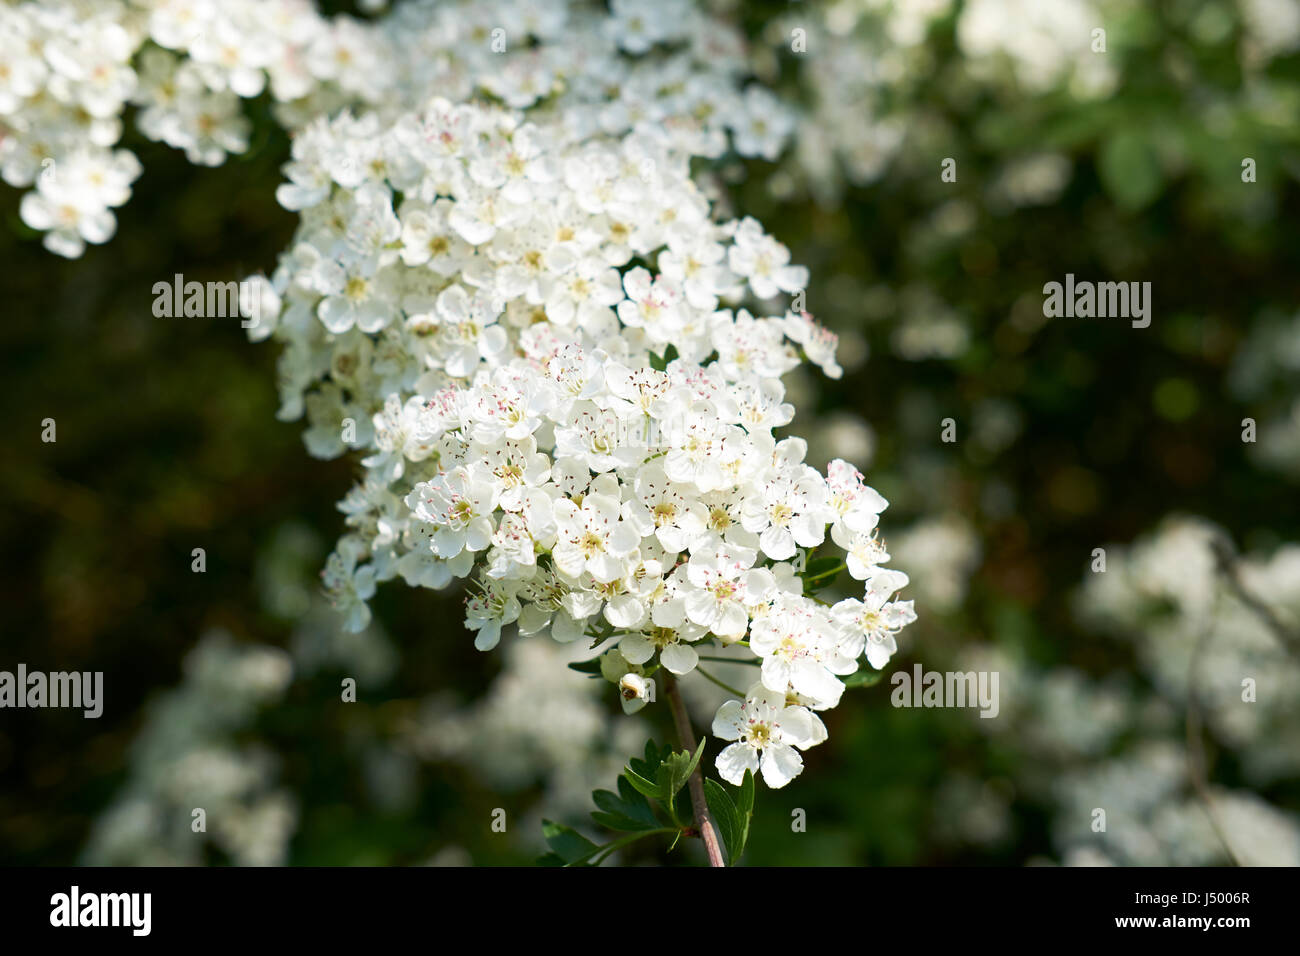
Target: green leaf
(723,810)
(664,778)
(647,787)
(1076,126)
(732,814)
(677,769)
(864,677)
(617,822)
(629,812)
(635,804)
(668,789)
(567,843)
(662,774)
(591,667)
(653,758)
(687,767)
(607,800)
(1130,170)
(660,363)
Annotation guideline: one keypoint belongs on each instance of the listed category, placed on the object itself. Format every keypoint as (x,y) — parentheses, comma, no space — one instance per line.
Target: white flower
(768,739)
(72,205)
(514,310)
(762,124)
(675,654)
(864,555)
(856,506)
(592,538)
(468,331)
(764,262)
(653,304)
(666,510)
(819,343)
(697,265)
(355,295)
(460,506)
(873,621)
(486,612)
(396,435)
(701,447)
(713,594)
(788,512)
(797,651)
(349,587)
(640,24)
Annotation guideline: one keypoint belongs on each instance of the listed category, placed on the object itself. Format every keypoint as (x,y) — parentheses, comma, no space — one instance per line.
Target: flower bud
(635,692)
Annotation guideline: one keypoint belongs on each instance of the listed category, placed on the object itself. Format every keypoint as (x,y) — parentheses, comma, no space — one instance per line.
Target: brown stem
(1195,746)
(703,820)
(1230,568)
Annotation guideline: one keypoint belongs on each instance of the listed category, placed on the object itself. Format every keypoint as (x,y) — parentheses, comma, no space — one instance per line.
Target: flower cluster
(192,752)
(65,78)
(1083,742)
(1163,593)
(1044,46)
(537,723)
(564,371)
(69,70)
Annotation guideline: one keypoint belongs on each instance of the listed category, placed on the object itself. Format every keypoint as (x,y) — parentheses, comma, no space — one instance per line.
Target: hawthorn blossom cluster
(1165,590)
(1044,46)
(565,374)
(71,69)
(508,291)
(192,752)
(1121,742)
(866,68)
(537,723)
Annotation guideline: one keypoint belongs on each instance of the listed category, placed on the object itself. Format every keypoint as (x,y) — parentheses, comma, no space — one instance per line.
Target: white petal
(813,680)
(488,637)
(636,648)
(781,764)
(729,720)
(878,654)
(799,727)
(734,761)
(679,658)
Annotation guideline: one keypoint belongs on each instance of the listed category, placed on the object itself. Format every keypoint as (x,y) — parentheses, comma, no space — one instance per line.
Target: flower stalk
(686,737)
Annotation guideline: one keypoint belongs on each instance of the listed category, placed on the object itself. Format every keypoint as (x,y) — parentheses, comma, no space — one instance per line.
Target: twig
(696,783)
(826,574)
(1195,748)
(713,680)
(749,661)
(1228,566)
